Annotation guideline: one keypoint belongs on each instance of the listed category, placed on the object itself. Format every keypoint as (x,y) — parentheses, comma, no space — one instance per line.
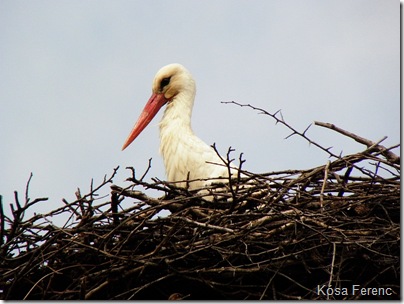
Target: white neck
(177,115)
(175,130)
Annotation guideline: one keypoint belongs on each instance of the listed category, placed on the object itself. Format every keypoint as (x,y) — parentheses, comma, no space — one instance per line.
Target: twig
(324,183)
(334,246)
(203,225)
(388,154)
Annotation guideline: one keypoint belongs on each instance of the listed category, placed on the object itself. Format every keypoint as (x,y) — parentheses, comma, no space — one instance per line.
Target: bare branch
(388,154)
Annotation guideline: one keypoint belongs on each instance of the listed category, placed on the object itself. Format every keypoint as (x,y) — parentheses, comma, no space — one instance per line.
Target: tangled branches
(330,232)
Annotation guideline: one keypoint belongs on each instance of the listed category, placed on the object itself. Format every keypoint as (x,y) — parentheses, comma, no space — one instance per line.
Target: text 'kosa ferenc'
(324,290)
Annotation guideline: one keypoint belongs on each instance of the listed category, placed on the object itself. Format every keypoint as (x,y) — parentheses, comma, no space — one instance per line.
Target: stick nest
(295,234)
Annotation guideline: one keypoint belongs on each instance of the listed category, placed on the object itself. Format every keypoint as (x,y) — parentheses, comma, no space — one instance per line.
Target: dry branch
(370,144)
(279,235)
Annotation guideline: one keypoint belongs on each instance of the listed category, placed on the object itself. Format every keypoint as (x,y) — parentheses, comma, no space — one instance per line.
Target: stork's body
(186,157)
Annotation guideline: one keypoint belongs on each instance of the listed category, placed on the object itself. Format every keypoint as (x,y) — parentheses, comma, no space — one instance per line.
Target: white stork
(186,157)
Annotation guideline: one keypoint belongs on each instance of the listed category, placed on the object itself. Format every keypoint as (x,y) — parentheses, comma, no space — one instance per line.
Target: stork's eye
(164,82)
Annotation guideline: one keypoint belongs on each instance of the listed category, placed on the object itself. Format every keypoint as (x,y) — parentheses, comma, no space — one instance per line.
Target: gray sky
(75,75)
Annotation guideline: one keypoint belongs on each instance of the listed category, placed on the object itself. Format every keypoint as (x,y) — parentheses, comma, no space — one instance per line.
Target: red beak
(150,110)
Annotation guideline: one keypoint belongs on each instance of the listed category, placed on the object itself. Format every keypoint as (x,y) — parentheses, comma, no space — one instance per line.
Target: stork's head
(170,81)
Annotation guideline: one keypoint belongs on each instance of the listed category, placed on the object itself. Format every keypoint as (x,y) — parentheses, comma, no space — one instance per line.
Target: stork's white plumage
(186,157)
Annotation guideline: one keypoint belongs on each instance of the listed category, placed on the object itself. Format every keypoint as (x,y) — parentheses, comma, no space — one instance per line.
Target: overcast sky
(75,75)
